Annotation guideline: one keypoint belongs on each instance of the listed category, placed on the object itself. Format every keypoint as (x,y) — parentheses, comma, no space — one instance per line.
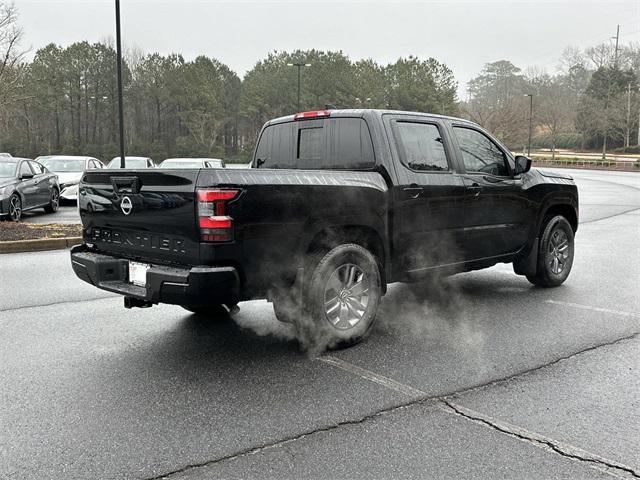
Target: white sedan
(69,170)
(132,162)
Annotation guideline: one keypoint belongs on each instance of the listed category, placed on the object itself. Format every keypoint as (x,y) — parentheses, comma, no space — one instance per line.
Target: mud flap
(528,265)
(291,299)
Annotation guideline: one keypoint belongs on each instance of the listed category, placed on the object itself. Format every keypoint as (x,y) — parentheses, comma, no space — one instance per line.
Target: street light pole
(119,70)
(300,66)
(530,95)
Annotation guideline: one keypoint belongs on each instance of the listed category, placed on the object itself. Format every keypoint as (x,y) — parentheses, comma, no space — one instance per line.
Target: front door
(497,213)
(428,196)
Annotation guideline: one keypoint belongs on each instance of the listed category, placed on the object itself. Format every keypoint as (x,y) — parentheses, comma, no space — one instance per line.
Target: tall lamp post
(119,70)
(300,66)
(530,95)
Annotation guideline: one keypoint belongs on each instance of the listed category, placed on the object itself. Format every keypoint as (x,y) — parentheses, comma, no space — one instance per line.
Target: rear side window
(421,147)
(24,169)
(37,168)
(334,143)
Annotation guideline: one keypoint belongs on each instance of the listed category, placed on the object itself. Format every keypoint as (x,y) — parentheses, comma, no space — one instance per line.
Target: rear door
(27,186)
(43,186)
(497,214)
(428,197)
(146,214)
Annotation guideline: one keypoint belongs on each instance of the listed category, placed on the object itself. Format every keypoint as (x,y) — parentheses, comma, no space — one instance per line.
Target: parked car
(132,162)
(337,205)
(69,170)
(26,185)
(192,163)
(4,154)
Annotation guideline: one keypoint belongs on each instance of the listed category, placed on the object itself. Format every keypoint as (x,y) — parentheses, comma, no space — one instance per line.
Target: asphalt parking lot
(486,378)
(66,214)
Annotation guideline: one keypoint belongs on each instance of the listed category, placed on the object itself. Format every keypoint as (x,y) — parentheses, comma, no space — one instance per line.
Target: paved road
(65,214)
(493,379)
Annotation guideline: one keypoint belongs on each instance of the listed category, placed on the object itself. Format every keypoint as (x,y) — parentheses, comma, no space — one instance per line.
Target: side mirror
(26,176)
(523,164)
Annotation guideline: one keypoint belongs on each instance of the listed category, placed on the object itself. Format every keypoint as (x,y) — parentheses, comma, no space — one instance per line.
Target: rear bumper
(179,286)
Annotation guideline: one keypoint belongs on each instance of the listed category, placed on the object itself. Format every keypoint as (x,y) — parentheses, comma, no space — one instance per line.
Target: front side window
(479,153)
(421,146)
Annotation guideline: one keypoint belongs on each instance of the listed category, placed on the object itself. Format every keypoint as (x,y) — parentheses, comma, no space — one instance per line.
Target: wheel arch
(561,208)
(366,236)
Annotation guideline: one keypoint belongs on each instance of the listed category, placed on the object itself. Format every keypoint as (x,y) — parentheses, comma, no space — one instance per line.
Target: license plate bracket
(138,273)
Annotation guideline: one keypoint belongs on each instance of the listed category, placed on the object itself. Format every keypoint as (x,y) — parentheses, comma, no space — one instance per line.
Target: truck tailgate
(141,214)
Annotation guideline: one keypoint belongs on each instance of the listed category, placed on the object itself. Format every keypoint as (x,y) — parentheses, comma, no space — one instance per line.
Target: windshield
(7,169)
(128,162)
(180,164)
(63,164)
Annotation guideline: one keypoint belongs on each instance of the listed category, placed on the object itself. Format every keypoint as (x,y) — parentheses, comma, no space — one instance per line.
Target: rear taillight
(215,225)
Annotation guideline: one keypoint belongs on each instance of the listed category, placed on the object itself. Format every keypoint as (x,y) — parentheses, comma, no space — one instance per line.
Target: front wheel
(555,253)
(341,298)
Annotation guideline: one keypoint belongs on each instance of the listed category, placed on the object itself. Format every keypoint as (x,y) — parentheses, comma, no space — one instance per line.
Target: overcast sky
(463,34)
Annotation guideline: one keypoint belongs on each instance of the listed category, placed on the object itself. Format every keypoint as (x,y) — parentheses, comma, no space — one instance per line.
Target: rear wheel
(54,202)
(555,253)
(15,208)
(341,298)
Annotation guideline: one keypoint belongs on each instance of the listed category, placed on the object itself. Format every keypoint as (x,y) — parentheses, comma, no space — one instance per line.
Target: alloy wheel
(15,208)
(346,296)
(557,251)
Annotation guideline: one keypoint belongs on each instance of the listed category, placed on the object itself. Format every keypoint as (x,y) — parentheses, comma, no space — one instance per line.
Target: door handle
(414,191)
(475,189)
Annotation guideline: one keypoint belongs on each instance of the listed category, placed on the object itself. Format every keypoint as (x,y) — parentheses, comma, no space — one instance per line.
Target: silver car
(193,163)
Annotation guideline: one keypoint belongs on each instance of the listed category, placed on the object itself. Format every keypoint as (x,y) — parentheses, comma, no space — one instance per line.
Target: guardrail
(587,163)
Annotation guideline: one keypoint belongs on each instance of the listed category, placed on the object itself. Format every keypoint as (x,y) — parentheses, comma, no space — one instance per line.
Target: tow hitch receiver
(132,302)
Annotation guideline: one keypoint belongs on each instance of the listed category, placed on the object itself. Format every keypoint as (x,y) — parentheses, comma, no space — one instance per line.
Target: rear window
(421,147)
(334,143)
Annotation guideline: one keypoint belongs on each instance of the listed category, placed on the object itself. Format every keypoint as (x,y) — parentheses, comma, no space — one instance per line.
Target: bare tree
(11,55)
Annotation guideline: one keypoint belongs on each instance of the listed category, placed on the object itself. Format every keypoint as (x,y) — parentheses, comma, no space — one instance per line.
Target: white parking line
(373,377)
(593,309)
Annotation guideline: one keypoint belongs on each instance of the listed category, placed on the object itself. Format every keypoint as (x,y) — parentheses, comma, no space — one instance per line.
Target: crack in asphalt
(51,304)
(425,400)
(291,439)
(564,449)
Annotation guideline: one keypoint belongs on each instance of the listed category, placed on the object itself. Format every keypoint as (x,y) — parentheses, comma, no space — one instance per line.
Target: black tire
(555,253)
(214,312)
(54,202)
(341,298)
(15,208)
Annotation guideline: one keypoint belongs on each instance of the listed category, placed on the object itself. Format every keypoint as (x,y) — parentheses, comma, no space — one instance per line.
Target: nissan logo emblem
(126,205)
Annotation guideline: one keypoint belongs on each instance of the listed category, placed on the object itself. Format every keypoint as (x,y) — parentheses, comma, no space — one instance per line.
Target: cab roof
(357,112)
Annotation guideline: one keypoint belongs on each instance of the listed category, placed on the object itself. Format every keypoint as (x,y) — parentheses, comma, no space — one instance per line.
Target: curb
(39,245)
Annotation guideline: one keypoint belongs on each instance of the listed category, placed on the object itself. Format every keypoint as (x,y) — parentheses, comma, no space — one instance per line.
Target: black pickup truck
(337,205)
